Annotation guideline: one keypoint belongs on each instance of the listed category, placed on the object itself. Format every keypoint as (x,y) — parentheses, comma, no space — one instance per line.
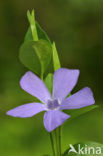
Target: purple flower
(63,82)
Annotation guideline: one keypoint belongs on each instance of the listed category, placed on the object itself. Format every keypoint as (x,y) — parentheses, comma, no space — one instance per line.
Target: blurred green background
(77,28)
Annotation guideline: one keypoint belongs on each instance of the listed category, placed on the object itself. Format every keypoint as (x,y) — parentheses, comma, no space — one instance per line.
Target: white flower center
(53,104)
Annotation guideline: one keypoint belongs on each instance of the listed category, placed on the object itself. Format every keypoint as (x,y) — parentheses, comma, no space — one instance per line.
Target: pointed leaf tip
(56,61)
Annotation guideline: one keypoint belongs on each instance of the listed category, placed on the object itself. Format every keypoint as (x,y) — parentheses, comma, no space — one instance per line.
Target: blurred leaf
(98,149)
(36,55)
(49,82)
(35,32)
(28,36)
(56,61)
(41,33)
(77,112)
(31,18)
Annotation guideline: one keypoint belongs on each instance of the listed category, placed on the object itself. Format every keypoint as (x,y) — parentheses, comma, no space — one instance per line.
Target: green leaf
(35,32)
(31,18)
(56,61)
(49,82)
(28,36)
(36,55)
(87,149)
(41,33)
(77,112)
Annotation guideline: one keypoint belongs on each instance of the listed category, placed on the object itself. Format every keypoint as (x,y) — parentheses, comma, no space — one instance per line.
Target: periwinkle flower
(64,81)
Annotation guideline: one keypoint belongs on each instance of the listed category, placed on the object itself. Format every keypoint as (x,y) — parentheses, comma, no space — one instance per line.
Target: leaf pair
(37,52)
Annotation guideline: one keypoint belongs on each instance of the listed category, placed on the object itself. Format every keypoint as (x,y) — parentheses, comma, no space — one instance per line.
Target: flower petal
(53,119)
(82,98)
(34,86)
(27,110)
(63,82)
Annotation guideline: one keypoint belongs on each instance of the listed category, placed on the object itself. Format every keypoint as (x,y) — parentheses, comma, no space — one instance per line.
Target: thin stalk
(52,144)
(60,140)
(56,139)
(42,76)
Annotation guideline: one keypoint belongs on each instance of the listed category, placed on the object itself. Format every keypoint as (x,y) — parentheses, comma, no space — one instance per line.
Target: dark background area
(77,29)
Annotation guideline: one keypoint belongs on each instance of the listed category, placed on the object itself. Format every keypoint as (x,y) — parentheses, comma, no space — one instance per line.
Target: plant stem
(60,140)
(42,76)
(56,139)
(52,144)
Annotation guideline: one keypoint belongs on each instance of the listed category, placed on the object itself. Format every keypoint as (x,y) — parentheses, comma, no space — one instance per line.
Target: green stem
(42,76)
(52,144)
(60,140)
(56,139)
